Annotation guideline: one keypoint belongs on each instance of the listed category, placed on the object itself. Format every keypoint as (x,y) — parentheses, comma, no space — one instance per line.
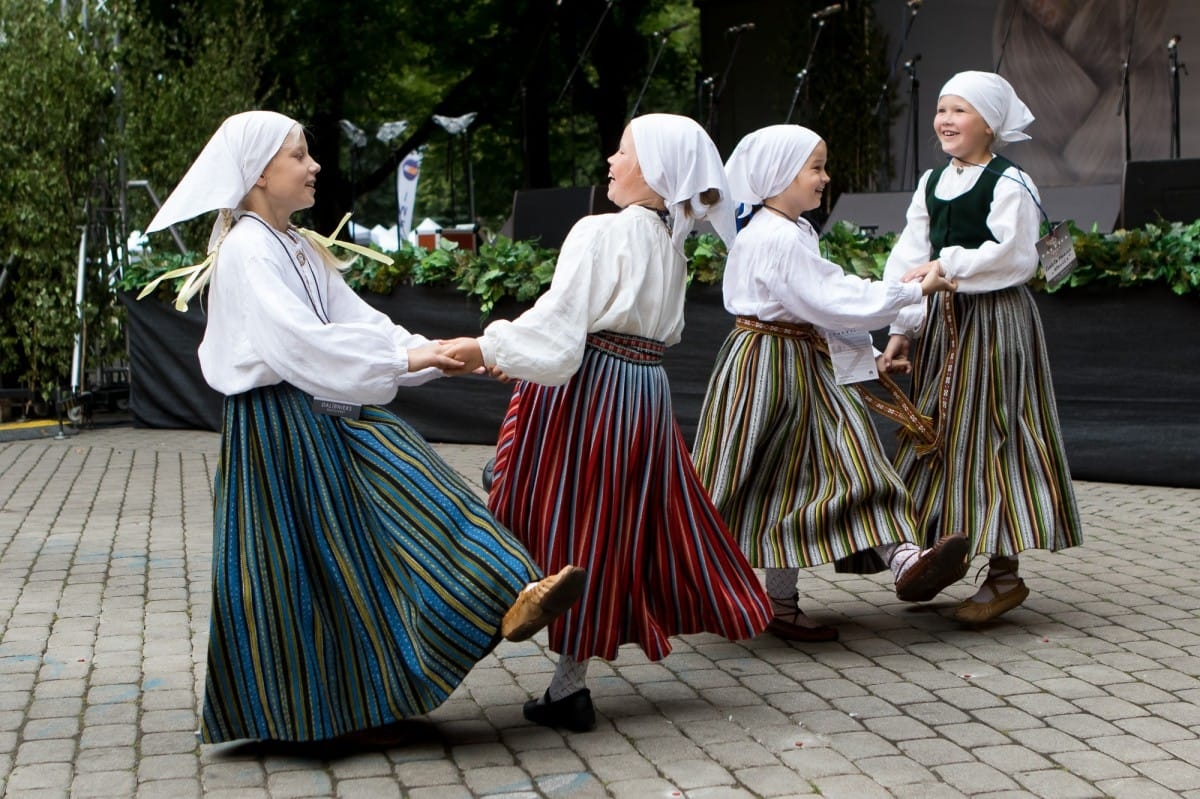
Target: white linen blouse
(775,273)
(1011,260)
(616,272)
(274,317)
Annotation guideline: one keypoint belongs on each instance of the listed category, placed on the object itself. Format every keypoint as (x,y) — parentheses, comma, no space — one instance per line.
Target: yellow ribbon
(198,274)
(333,241)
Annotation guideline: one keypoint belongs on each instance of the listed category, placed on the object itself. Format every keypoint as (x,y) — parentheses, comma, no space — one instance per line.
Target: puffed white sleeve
(347,307)
(821,292)
(910,251)
(545,344)
(355,360)
(1012,259)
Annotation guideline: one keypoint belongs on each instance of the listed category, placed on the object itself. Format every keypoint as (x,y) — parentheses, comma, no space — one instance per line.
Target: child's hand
(466,351)
(435,354)
(894,359)
(935,280)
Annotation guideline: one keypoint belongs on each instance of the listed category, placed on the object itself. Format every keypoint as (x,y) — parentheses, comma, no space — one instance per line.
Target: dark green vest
(963,220)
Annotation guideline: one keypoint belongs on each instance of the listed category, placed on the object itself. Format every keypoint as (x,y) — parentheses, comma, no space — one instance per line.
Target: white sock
(781,583)
(900,557)
(570,676)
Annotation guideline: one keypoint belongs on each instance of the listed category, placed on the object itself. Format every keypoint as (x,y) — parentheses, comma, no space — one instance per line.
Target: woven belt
(634,349)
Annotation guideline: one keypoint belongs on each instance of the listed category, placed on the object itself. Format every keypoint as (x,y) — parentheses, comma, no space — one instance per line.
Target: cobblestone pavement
(1091,689)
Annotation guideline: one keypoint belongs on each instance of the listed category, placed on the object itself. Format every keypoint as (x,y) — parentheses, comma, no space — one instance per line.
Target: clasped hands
(894,359)
(455,357)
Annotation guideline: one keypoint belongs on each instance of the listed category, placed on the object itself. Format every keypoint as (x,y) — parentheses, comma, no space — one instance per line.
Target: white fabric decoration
(995,100)
(679,162)
(766,162)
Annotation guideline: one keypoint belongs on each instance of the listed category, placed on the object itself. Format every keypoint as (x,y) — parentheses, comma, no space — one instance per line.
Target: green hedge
(1167,253)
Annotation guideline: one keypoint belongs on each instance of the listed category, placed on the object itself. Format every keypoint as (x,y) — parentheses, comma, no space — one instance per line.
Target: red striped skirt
(595,472)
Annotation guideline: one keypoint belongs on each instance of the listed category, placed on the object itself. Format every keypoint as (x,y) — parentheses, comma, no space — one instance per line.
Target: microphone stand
(662,45)
(1007,33)
(1173,57)
(1125,84)
(880,104)
(586,49)
(714,98)
(914,105)
(802,75)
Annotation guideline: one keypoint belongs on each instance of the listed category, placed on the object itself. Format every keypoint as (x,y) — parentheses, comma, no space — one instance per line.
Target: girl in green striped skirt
(356,577)
(979,366)
(789,453)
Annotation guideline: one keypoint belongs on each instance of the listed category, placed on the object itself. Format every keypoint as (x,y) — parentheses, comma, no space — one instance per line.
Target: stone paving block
(576,785)
(103,784)
(1174,774)
(182,789)
(853,786)
(375,788)
(612,768)
(1135,788)
(770,782)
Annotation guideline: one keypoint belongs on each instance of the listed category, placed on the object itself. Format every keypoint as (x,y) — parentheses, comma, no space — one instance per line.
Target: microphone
(1171,45)
(745,26)
(827,11)
(914,5)
(908,65)
(670,30)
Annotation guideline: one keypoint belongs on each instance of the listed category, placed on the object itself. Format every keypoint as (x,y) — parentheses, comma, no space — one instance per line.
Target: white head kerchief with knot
(995,100)
(766,162)
(225,171)
(679,162)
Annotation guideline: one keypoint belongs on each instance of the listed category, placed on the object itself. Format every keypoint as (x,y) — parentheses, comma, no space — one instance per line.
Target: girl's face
(962,132)
(807,189)
(626,185)
(290,179)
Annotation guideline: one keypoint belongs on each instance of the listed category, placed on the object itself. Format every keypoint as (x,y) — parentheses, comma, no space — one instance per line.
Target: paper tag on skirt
(1056,252)
(328,407)
(852,355)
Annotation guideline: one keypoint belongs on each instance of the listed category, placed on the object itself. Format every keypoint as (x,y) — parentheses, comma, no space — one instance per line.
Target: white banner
(406,192)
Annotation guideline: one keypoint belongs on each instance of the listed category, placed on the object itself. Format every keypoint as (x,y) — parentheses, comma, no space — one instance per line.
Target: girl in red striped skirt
(980,367)
(591,467)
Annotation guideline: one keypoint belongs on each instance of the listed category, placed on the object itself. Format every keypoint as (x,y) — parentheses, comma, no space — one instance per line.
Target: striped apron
(792,459)
(356,577)
(595,472)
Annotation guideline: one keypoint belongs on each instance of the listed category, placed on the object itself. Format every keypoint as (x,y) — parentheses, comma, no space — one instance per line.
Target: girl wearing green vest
(979,365)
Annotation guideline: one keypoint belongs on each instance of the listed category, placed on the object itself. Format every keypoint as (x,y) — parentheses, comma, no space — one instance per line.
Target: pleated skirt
(595,472)
(793,461)
(356,576)
(1000,474)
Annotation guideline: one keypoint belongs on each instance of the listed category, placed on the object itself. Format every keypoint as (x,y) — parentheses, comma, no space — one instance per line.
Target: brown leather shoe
(971,612)
(786,623)
(544,602)
(943,564)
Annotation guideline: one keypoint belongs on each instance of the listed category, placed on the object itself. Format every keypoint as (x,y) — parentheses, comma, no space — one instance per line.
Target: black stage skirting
(1128,398)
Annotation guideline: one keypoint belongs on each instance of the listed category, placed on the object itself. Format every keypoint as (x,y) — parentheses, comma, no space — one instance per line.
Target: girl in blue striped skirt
(979,368)
(356,577)
(789,454)
(591,467)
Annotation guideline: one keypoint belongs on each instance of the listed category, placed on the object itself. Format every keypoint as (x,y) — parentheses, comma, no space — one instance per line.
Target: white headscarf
(995,100)
(226,168)
(679,162)
(766,162)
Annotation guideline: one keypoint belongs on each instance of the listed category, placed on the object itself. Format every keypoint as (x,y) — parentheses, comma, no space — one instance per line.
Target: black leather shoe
(573,711)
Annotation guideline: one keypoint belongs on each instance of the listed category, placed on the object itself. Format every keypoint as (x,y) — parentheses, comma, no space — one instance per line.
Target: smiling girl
(790,456)
(356,576)
(591,467)
(980,369)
